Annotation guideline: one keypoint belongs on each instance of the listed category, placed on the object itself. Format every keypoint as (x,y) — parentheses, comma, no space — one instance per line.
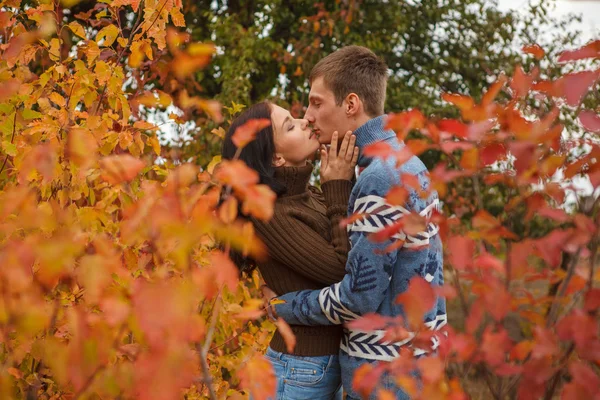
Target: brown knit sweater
(307,249)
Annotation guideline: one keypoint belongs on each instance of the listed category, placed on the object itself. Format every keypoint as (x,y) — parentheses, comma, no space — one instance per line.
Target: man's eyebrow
(288,118)
(314,97)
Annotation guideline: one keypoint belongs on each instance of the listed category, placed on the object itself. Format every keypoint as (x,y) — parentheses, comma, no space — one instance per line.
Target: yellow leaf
(122,41)
(213,163)
(54,51)
(57,99)
(109,34)
(177,17)
(153,142)
(145,125)
(77,29)
(137,55)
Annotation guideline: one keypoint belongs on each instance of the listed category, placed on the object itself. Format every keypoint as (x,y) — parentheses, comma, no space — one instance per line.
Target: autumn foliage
(112,282)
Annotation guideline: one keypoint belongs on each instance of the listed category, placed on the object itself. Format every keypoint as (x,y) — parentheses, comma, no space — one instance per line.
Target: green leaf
(31,114)
(9,148)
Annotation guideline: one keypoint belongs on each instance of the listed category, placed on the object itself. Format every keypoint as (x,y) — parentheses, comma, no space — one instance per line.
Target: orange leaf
(120,168)
(521,82)
(259,201)
(534,50)
(417,146)
(228,210)
(404,122)
(247,132)
(378,149)
(418,299)
(493,91)
(464,103)
(454,127)
(288,336)
(397,196)
(224,269)
(236,174)
(257,376)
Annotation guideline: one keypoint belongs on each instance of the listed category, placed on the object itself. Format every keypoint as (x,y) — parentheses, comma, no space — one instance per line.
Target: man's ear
(278,160)
(352,104)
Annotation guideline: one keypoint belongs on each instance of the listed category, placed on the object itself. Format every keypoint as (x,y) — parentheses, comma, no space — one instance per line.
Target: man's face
(322,112)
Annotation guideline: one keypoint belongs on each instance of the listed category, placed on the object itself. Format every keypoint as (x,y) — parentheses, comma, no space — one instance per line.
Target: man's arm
(368,271)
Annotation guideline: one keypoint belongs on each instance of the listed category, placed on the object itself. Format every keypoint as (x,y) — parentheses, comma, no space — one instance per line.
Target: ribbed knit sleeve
(293,242)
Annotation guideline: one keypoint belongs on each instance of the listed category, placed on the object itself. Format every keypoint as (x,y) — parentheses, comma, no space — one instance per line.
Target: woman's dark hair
(258,155)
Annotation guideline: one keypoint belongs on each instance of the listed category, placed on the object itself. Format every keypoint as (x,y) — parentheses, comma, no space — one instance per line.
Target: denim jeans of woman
(306,378)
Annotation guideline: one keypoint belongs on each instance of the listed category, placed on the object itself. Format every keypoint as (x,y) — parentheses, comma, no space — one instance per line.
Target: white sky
(590,9)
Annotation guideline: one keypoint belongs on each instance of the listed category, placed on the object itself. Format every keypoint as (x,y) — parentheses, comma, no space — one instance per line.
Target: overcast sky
(590,9)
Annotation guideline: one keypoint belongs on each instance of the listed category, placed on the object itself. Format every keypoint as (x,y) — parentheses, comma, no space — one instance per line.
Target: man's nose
(308,115)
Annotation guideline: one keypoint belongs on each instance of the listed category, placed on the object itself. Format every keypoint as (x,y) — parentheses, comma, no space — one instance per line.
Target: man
(348,94)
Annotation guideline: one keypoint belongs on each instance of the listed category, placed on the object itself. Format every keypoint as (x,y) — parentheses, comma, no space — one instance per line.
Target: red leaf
(369,322)
(585,376)
(378,149)
(521,350)
(288,336)
(454,127)
(366,378)
(553,213)
(120,168)
(579,327)
(247,132)
(590,120)
(576,85)
(592,300)
(521,82)
(590,50)
(534,50)
(477,130)
(432,369)
(464,103)
(494,346)
(460,251)
(545,344)
(492,153)
(418,299)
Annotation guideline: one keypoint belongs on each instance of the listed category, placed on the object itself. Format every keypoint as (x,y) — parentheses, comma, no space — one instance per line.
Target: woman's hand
(339,164)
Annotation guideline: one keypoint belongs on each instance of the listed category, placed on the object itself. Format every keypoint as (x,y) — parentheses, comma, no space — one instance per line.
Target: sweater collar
(295,179)
(371,132)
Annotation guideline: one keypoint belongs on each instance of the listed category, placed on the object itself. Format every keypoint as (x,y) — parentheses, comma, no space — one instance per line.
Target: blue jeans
(302,378)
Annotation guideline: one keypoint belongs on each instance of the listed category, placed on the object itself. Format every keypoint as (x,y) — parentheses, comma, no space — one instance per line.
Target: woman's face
(293,142)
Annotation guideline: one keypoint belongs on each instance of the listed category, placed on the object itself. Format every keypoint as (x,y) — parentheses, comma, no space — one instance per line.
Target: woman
(306,245)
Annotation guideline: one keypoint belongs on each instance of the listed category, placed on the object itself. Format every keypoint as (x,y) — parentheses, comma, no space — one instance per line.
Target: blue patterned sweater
(375,278)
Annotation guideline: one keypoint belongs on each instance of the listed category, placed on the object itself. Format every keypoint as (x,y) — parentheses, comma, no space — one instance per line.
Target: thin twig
(561,291)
